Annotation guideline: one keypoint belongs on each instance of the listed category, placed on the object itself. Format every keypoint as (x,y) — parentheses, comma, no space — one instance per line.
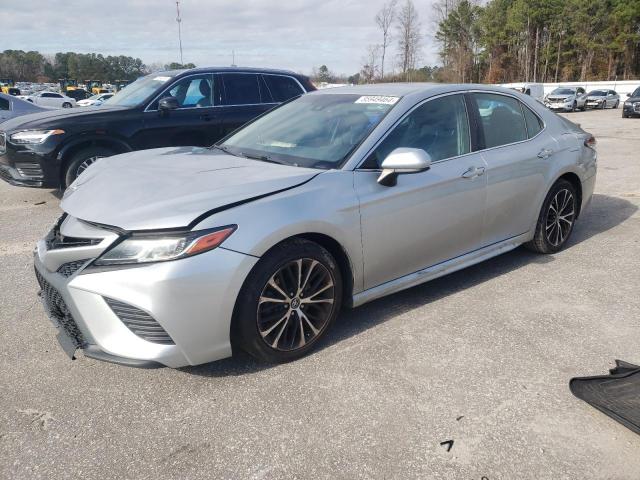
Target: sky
(295,34)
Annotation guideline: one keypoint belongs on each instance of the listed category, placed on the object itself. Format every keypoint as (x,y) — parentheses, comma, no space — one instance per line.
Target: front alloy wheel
(288,301)
(295,304)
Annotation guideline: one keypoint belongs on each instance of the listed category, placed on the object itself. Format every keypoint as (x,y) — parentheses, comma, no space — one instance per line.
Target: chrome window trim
(525,123)
(409,112)
(302,90)
(147,109)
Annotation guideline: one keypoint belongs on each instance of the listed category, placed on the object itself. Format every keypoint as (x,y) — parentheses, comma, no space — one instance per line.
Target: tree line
(504,41)
(35,67)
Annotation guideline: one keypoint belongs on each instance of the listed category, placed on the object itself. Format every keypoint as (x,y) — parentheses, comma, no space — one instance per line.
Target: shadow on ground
(603,214)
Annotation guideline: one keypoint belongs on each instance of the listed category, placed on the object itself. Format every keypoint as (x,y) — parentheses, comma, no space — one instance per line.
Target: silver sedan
(176,256)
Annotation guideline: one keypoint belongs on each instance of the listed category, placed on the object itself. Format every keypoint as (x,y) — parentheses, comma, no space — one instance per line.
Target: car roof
(274,71)
(409,89)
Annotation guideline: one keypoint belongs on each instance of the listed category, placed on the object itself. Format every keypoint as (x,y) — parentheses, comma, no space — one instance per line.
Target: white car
(52,99)
(95,100)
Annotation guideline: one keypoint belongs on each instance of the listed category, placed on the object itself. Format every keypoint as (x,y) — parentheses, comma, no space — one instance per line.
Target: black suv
(175,108)
(631,107)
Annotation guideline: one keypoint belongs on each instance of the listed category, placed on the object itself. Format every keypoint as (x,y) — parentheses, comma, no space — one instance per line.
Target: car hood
(173,187)
(48,118)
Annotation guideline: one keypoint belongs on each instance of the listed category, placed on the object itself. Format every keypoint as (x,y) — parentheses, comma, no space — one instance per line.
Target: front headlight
(163,247)
(30,137)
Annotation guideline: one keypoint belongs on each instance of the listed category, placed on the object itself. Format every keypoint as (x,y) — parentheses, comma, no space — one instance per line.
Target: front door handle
(473,172)
(207,117)
(545,153)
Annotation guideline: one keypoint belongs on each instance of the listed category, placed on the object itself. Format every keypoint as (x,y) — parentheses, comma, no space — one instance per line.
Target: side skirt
(440,269)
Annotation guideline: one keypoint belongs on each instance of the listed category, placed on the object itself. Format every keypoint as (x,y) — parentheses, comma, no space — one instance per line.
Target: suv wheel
(288,302)
(556,219)
(82,160)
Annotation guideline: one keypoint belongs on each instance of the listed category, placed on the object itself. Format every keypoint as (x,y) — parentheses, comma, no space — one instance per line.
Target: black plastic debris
(616,395)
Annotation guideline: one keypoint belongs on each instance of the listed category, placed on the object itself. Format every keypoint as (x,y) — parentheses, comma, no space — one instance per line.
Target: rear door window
(502,119)
(282,88)
(534,124)
(241,89)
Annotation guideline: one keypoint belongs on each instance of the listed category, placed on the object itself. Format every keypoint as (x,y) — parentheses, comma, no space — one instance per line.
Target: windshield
(316,131)
(138,91)
(563,91)
(597,93)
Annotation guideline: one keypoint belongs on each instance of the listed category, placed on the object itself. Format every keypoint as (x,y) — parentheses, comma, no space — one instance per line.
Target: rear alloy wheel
(556,219)
(83,160)
(288,302)
(66,105)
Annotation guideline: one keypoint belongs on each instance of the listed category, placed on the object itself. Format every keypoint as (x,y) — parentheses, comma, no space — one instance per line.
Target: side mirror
(403,160)
(168,103)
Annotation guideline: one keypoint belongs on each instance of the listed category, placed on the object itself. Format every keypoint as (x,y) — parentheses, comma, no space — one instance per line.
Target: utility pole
(179,20)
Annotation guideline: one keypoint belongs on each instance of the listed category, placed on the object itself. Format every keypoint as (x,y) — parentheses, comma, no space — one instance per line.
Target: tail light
(590,141)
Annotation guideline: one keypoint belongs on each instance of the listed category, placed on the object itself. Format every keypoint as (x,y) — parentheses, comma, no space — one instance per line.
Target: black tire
(604,105)
(552,229)
(624,115)
(617,104)
(80,160)
(66,105)
(575,106)
(271,329)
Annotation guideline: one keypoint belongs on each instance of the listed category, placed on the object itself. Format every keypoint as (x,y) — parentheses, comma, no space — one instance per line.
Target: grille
(32,170)
(56,240)
(69,268)
(139,322)
(58,310)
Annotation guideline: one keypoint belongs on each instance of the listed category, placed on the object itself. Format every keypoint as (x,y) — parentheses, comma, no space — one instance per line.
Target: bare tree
(409,38)
(370,68)
(384,20)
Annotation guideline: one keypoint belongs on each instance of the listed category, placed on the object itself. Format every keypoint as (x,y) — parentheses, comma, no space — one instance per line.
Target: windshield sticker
(162,79)
(376,99)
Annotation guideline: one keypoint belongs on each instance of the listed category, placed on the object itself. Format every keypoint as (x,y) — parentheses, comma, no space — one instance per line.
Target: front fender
(326,205)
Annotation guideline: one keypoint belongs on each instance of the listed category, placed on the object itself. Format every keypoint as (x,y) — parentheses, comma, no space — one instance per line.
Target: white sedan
(52,99)
(95,100)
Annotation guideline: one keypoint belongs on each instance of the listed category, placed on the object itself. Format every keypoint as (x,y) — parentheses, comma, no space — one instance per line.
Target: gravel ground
(481,357)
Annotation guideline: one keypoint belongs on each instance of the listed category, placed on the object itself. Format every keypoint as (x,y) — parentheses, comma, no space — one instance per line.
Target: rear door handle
(473,172)
(545,153)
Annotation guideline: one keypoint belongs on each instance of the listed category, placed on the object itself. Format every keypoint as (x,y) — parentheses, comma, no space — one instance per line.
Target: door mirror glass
(403,160)
(168,103)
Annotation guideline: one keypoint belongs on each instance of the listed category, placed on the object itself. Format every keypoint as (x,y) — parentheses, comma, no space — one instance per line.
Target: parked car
(11,107)
(602,99)
(535,90)
(95,100)
(175,255)
(568,99)
(631,107)
(182,107)
(51,99)
(79,94)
